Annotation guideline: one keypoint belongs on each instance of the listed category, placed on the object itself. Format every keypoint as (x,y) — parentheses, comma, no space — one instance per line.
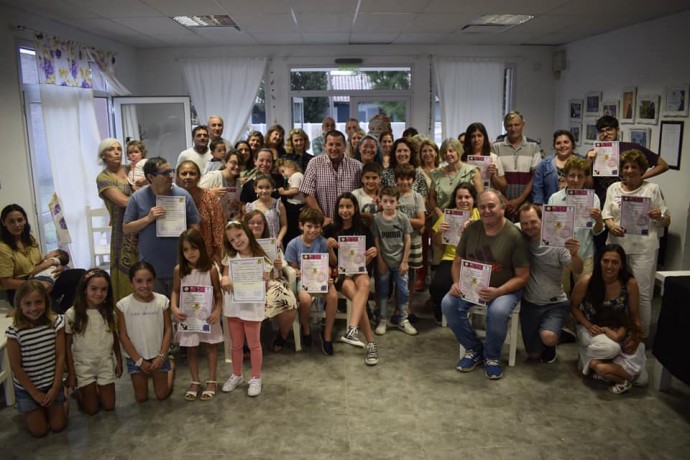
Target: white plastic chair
(98,221)
(511,337)
(5,369)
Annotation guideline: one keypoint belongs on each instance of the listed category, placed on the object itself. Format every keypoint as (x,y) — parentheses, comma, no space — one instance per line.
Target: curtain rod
(22,28)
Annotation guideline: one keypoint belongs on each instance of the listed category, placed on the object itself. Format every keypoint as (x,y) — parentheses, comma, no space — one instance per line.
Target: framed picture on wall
(610,108)
(576,108)
(591,131)
(671,142)
(676,101)
(593,104)
(641,136)
(647,109)
(576,130)
(628,97)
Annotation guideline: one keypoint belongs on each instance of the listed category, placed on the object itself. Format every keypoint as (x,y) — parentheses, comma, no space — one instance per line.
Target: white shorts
(94,369)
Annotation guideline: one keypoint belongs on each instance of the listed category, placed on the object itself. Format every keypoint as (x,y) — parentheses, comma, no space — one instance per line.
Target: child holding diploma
(145,330)
(273,208)
(347,222)
(91,342)
(196,273)
(244,318)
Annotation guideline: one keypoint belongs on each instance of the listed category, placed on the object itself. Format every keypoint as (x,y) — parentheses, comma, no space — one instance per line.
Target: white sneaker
(407,327)
(372,356)
(232,382)
(254,386)
(381,328)
(352,337)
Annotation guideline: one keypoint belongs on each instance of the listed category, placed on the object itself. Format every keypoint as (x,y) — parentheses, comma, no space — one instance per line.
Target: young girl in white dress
(196,271)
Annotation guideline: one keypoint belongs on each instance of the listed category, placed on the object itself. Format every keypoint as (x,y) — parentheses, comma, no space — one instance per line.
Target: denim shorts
(25,403)
(536,318)
(133,369)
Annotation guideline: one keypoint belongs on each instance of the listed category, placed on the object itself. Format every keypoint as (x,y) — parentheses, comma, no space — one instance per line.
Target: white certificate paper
(635,215)
(583,202)
(557,225)
(174,221)
(455,218)
(197,303)
(606,161)
(247,276)
(314,273)
(231,203)
(482,162)
(473,277)
(351,258)
(270,247)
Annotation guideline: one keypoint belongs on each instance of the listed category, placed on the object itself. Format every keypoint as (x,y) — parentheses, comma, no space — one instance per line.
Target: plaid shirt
(325,183)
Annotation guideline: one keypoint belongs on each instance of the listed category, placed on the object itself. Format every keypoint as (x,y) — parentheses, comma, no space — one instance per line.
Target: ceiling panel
(256,6)
(185,7)
(153,26)
(320,22)
(116,9)
(382,22)
(386,6)
(267,23)
(324,6)
(438,23)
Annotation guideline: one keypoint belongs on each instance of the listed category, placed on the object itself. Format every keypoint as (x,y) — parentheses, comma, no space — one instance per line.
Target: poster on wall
(610,108)
(576,130)
(593,104)
(628,97)
(671,142)
(647,109)
(641,136)
(676,101)
(576,110)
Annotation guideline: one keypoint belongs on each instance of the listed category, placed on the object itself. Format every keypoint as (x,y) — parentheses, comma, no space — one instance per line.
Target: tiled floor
(414,404)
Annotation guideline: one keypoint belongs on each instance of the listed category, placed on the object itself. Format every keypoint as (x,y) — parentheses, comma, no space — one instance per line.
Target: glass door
(395,107)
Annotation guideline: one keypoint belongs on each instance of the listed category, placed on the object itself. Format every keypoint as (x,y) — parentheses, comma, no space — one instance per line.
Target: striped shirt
(519,164)
(37,348)
(325,183)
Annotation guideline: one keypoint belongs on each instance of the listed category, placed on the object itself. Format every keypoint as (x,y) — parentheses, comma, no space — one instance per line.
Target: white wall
(15,179)
(649,56)
(160,73)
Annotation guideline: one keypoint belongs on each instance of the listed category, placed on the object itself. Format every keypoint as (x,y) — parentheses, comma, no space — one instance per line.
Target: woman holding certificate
(477,151)
(634,213)
(549,177)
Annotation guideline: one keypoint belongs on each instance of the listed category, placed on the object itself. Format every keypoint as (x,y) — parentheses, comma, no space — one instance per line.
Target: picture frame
(647,112)
(576,131)
(676,101)
(576,107)
(628,100)
(611,108)
(593,104)
(590,131)
(641,136)
(671,142)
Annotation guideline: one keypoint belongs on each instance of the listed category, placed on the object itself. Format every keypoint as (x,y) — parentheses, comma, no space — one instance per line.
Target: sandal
(208,394)
(191,395)
(278,343)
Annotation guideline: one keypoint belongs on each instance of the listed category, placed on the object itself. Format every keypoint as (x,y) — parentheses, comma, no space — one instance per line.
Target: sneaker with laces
(371,358)
(492,369)
(619,388)
(381,328)
(351,337)
(232,382)
(326,346)
(407,327)
(254,386)
(468,362)
(548,355)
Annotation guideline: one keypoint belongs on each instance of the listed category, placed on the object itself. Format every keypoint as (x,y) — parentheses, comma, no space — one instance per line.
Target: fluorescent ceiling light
(501,19)
(211,20)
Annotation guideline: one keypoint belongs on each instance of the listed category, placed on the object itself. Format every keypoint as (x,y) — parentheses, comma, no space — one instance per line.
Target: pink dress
(192,339)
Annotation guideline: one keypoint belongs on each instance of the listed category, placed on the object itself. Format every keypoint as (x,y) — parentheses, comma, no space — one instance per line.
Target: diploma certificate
(583,202)
(247,276)
(351,258)
(197,303)
(270,247)
(482,162)
(557,225)
(606,161)
(174,221)
(635,215)
(455,218)
(314,273)
(231,203)
(473,277)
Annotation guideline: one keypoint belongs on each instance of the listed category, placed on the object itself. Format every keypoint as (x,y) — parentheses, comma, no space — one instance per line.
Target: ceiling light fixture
(211,20)
(501,20)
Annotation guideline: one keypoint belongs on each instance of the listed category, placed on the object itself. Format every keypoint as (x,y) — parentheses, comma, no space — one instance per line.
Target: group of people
(393,192)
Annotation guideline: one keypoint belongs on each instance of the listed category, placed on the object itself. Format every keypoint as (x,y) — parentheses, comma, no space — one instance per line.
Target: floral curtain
(62,63)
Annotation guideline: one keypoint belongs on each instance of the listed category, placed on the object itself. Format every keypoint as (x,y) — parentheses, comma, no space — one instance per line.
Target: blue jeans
(403,291)
(498,315)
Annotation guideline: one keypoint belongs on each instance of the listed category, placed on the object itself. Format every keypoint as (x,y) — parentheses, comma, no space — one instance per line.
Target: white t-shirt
(244,311)
(95,341)
(145,323)
(294,182)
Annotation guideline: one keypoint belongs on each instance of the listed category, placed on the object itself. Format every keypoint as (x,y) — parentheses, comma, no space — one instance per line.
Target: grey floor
(414,404)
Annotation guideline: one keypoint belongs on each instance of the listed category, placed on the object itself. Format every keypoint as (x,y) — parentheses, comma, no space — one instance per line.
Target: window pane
(29,67)
(350,80)
(100,105)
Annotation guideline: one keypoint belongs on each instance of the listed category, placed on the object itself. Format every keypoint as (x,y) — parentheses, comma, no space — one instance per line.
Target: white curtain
(470,90)
(72,137)
(225,87)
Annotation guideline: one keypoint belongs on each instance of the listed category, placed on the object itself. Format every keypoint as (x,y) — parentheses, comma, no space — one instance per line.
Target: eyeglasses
(607,130)
(167,172)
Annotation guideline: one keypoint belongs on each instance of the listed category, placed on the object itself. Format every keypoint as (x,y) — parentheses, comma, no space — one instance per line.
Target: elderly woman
(210,210)
(641,250)
(549,177)
(445,179)
(115,190)
(20,257)
(608,292)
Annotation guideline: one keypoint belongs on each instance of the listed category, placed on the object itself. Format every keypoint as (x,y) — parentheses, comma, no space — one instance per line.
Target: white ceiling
(147,23)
